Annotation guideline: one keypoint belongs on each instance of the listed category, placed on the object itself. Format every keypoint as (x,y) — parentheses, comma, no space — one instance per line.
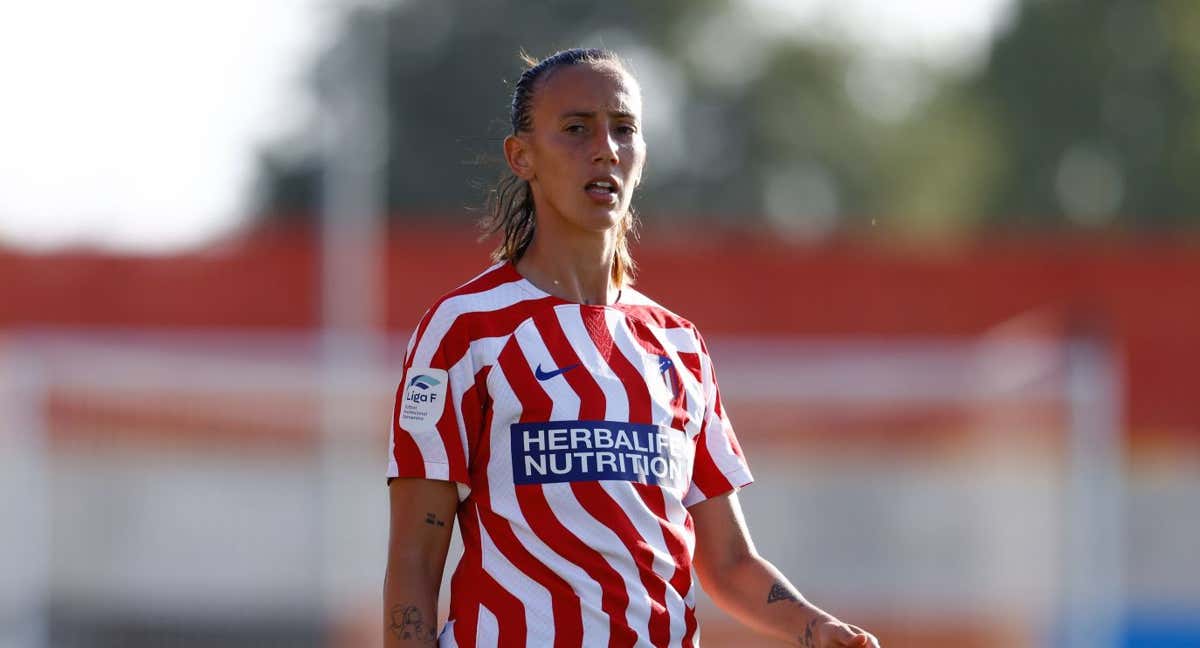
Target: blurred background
(946,255)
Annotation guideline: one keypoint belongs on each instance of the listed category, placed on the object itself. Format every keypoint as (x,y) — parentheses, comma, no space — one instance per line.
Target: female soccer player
(572,426)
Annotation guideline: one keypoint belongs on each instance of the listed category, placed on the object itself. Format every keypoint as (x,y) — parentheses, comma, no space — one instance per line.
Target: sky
(132,125)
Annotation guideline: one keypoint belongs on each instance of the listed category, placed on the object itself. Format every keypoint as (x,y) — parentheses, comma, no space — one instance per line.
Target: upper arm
(422,518)
(438,412)
(722,539)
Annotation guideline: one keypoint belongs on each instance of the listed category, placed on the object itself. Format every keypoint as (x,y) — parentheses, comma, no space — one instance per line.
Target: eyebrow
(620,114)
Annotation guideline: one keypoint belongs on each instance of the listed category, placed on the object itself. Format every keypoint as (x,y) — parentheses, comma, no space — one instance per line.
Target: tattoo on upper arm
(409,623)
(780,593)
(434,520)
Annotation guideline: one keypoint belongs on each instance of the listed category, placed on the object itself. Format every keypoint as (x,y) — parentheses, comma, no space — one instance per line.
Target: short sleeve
(436,410)
(720,466)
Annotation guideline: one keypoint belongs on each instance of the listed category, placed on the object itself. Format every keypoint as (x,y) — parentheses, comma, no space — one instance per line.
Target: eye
(626,129)
(573,128)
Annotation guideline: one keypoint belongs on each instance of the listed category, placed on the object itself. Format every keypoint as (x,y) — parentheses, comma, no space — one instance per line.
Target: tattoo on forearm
(806,640)
(409,623)
(780,593)
(432,519)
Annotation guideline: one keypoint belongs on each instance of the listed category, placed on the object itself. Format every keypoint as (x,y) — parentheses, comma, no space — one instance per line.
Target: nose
(605,147)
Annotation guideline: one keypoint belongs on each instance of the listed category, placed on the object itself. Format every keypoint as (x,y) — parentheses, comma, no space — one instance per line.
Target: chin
(599,220)
(607,222)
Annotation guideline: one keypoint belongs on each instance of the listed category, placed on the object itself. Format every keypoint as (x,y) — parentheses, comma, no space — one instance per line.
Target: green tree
(1095,107)
(451,64)
(1083,114)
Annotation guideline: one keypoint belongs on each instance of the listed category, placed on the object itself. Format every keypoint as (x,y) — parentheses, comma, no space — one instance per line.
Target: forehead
(587,87)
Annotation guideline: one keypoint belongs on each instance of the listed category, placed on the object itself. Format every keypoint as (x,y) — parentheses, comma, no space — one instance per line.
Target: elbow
(410,588)
(411,568)
(717,574)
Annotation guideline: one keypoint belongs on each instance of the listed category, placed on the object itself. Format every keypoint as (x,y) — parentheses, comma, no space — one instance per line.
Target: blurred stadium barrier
(922,489)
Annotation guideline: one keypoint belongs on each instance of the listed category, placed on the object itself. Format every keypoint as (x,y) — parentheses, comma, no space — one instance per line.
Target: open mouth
(602,190)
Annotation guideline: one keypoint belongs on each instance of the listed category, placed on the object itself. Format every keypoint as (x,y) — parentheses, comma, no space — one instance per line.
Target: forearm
(759,595)
(409,607)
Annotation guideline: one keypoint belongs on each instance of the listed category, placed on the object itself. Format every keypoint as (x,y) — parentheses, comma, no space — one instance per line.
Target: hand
(828,632)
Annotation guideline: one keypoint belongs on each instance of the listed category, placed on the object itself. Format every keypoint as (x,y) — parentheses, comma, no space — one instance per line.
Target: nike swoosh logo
(547,375)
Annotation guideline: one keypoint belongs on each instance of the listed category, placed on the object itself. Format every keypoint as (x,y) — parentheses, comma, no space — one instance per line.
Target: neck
(575,268)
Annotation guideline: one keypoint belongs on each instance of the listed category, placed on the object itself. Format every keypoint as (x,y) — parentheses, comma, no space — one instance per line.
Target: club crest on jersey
(424,399)
(666,368)
(577,451)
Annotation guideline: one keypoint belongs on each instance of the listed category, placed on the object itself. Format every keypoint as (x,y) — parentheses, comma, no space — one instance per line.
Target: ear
(519,157)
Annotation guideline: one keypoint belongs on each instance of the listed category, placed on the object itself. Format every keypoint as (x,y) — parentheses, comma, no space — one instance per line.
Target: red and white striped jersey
(577,435)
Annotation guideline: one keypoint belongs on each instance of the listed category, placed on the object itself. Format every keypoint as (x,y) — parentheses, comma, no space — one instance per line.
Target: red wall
(1145,293)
